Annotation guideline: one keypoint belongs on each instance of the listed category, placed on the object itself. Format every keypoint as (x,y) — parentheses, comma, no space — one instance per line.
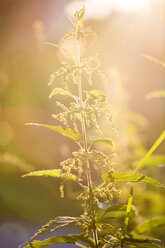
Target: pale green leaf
(51,241)
(150,224)
(52,173)
(155,60)
(67,132)
(155,145)
(97,94)
(155,94)
(129,177)
(102,140)
(128,211)
(61,92)
(64,49)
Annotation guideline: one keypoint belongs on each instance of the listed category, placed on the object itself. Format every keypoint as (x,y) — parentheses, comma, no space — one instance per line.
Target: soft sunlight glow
(102,8)
(131,5)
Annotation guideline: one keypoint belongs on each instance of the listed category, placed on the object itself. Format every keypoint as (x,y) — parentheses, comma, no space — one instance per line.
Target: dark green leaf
(67,132)
(150,224)
(51,241)
(129,177)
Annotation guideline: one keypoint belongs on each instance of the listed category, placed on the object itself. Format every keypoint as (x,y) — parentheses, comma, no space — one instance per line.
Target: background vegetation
(25,65)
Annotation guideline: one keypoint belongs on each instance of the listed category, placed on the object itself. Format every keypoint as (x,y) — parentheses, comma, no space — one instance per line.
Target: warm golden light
(97,10)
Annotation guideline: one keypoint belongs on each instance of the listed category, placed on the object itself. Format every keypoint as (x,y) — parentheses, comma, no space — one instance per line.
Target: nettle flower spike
(101,222)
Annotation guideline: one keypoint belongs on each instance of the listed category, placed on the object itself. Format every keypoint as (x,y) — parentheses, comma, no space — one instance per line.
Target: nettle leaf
(97,94)
(150,224)
(112,212)
(107,141)
(155,94)
(53,225)
(51,241)
(62,92)
(139,238)
(119,208)
(67,132)
(64,49)
(129,177)
(85,239)
(140,241)
(52,173)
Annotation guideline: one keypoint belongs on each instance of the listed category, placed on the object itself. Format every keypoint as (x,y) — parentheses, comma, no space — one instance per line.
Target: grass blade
(155,145)
(128,211)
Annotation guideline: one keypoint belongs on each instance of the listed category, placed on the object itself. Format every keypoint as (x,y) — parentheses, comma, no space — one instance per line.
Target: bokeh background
(126,30)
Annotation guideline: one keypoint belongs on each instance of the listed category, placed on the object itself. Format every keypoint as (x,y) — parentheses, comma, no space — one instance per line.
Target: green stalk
(83,126)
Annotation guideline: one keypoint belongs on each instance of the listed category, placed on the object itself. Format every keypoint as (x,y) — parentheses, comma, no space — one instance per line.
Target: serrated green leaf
(150,224)
(51,241)
(128,211)
(155,145)
(52,173)
(62,92)
(58,223)
(67,132)
(139,238)
(155,94)
(129,177)
(97,94)
(103,140)
(64,49)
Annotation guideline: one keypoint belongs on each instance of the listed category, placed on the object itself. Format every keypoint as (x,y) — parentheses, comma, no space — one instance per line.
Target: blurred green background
(126,30)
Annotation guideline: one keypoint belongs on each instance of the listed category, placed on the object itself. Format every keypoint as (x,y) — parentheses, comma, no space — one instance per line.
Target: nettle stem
(83,126)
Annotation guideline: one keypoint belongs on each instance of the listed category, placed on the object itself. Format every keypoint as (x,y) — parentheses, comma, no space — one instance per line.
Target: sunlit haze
(97,10)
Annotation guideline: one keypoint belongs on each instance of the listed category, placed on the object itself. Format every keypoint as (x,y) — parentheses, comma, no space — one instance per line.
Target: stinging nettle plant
(97,224)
